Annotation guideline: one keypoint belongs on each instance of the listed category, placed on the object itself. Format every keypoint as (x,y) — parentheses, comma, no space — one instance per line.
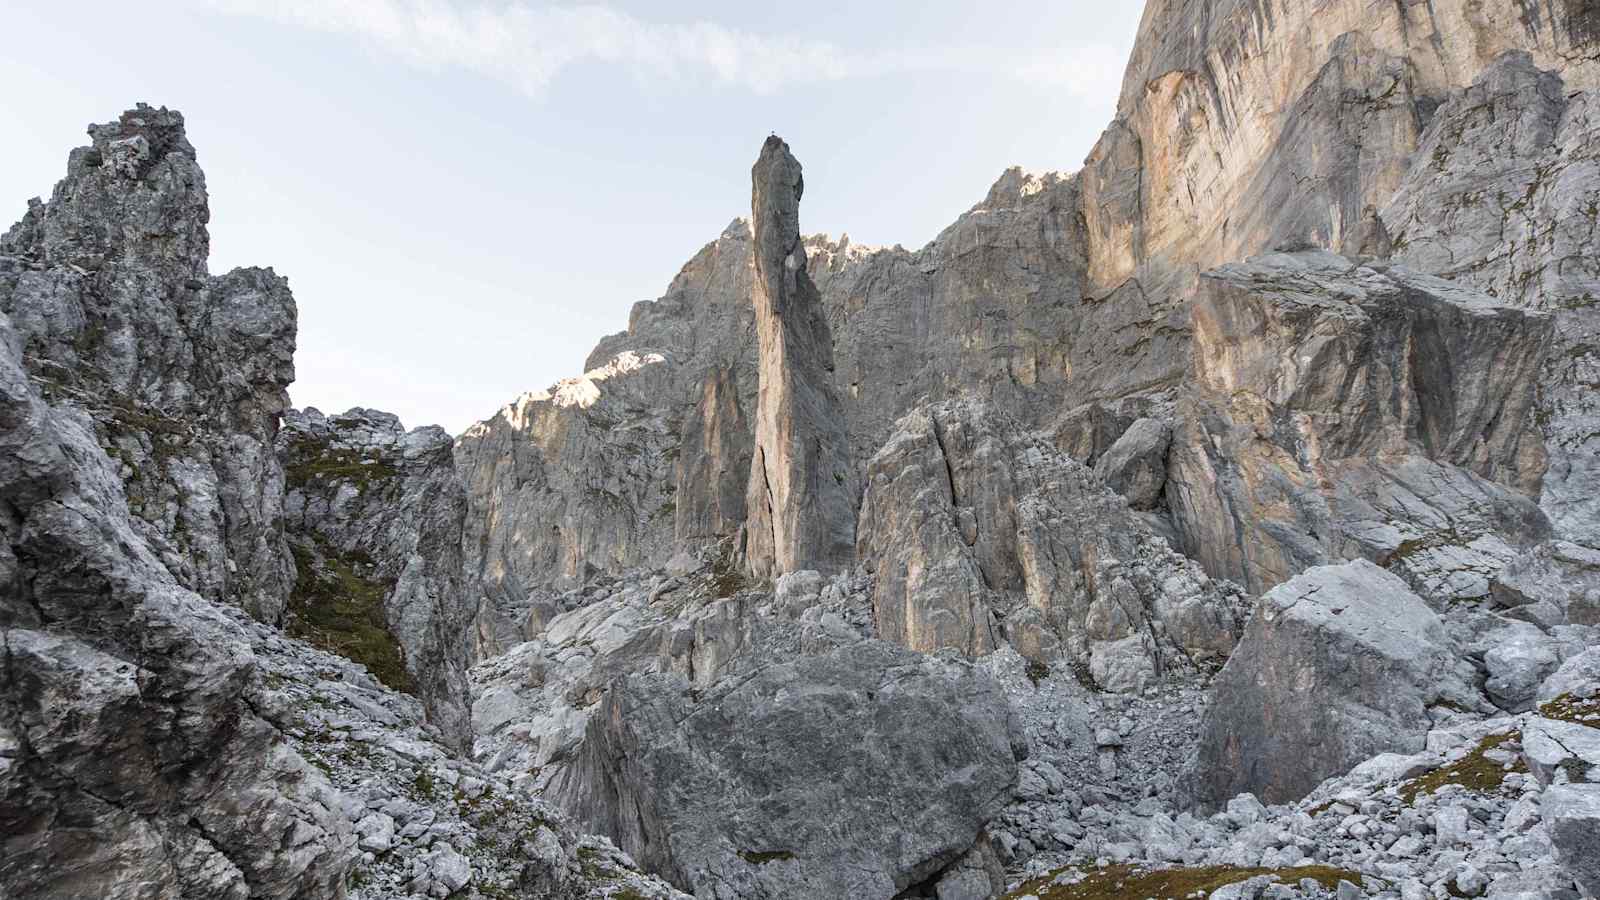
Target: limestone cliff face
(1245,125)
(1341,410)
(184,373)
(605,472)
(800,506)
(1453,137)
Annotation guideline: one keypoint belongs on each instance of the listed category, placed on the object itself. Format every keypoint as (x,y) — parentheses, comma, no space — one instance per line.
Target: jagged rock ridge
(154,740)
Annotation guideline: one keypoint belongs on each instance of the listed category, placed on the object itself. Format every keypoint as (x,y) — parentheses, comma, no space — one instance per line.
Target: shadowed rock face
(800,506)
(375,515)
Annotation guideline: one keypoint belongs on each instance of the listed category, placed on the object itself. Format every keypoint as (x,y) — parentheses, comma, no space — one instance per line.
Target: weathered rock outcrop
(800,509)
(154,743)
(1343,410)
(183,373)
(978,533)
(1504,195)
(1339,664)
(133,758)
(833,746)
(859,772)
(375,516)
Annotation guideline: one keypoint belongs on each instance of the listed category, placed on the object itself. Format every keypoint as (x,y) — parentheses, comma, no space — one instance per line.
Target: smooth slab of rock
(1337,665)
(854,773)
(1555,749)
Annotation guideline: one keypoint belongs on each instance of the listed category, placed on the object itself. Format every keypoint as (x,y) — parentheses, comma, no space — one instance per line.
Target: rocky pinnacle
(800,506)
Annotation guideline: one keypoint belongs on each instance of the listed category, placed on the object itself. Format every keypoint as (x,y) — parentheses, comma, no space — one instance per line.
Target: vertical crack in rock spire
(800,506)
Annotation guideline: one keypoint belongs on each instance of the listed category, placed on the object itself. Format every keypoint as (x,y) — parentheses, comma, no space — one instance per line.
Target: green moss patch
(1578,711)
(1475,771)
(1134,883)
(311,464)
(337,608)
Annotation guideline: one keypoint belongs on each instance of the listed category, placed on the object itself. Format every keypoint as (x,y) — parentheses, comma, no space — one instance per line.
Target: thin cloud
(529,46)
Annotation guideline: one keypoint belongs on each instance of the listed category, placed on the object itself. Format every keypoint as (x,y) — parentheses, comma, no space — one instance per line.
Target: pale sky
(466,194)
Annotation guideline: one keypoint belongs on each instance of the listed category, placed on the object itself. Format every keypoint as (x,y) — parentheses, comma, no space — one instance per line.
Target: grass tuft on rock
(1577,710)
(1125,882)
(338,609)
(312,463)
(1475,771)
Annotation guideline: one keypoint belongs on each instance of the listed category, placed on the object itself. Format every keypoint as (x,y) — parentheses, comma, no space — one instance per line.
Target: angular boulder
(1337,665)
(1571,814)
(857,772)
(1136,465)
(1557,582)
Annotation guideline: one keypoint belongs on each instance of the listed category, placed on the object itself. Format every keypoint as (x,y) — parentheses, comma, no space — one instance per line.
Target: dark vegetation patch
(1126,882)
(313,463)
(761,858)
(1578,711)
(727,575)
(337,607)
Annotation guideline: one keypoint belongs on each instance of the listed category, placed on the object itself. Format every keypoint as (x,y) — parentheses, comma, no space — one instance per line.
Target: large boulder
(1343,410)
(1338,664)
(375,516)
(857,772)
